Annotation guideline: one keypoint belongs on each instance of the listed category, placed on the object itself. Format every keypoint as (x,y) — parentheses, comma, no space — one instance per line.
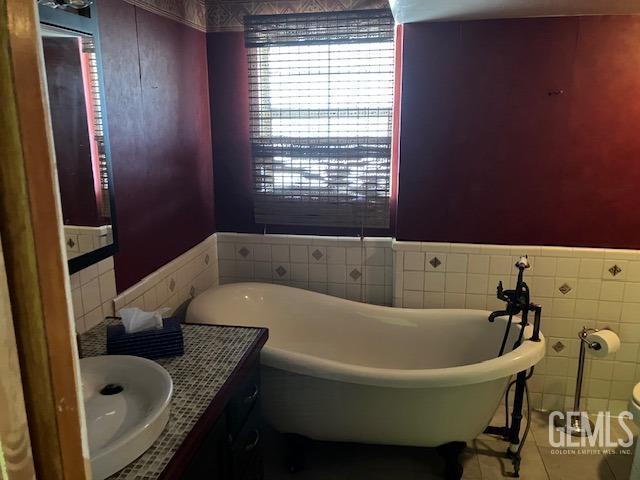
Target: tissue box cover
(158,343)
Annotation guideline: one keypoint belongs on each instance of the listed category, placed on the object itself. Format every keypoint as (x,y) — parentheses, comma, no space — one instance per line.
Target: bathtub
(345,371)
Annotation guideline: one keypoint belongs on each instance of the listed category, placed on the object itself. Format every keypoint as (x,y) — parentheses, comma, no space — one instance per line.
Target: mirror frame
(86,23)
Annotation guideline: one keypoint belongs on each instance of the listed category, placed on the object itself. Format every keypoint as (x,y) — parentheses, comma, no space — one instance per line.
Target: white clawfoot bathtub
(340,370)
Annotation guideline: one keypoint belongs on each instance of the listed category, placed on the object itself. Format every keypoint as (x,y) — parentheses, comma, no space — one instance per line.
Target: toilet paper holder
(584,333)
(576,426)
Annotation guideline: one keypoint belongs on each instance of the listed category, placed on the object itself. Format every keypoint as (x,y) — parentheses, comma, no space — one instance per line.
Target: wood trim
(36,273)
(189,447)
(15,444)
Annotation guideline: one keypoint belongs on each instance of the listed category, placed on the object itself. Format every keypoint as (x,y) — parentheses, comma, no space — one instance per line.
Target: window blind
(321,104)
(89,49)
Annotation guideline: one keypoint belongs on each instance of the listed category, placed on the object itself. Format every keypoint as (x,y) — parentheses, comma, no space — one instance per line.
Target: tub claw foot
(294,457)
(450,452)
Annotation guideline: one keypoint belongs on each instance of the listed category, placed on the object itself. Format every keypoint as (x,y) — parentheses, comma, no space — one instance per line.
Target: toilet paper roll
(608,340)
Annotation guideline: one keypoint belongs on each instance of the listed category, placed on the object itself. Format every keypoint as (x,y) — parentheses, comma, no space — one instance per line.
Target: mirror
(83,168)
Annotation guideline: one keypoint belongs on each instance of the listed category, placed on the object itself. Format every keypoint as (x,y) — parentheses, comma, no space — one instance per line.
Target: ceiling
(406,11)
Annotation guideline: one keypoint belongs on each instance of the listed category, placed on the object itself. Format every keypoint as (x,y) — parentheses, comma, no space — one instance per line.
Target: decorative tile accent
(312,262)
(435,262)
(615,270)
(574,276)
(244,251)
(355,274)
(565,288)
(211,355)
(80,239)
(281,271)
(94,294)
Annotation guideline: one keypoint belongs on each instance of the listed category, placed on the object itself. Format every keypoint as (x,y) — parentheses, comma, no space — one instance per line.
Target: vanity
(214,423)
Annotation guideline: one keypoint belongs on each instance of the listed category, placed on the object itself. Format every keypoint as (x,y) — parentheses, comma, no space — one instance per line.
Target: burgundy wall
(158,112)
(489,152)
(70,131)
(229,91)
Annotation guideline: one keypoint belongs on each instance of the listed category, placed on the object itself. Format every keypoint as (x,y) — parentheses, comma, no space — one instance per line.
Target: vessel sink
(126,404)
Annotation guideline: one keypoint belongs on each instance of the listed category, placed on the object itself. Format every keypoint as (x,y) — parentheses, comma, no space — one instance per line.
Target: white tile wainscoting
(347,267)
(575,286)
(80,239)
(94,289)
(92,293)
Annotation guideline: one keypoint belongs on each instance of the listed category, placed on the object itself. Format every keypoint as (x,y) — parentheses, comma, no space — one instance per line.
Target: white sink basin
(126,417)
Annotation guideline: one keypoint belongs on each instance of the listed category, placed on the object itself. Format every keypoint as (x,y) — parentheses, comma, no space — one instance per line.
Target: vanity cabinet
(213,430)
(231,449)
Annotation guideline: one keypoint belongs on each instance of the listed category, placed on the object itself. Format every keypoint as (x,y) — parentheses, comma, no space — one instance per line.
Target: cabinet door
(212,461)
(247,449)
(244,400)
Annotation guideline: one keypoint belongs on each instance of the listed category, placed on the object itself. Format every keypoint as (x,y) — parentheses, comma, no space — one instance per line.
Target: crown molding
(228,15)
(188,12)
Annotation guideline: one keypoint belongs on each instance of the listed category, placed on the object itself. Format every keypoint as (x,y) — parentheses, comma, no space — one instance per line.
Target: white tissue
(136,320)
(608,340)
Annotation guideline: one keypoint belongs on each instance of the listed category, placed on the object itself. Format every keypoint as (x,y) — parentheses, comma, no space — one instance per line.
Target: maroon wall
(70,131)
(521,131)
(158,111)
(229,91)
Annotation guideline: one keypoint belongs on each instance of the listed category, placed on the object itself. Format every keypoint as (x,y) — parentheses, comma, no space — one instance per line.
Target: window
(94,114)
(321,91)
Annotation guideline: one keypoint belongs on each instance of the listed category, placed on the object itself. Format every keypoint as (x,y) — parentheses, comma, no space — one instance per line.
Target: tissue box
(158,343)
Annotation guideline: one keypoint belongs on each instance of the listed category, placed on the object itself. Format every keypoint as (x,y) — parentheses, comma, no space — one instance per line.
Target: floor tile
(494,465)
(341,461)
(540,432)
(483,460)
(540,428)
(619,461)
(575,467)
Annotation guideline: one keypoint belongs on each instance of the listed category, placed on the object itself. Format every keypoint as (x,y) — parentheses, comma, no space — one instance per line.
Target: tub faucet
(517,300)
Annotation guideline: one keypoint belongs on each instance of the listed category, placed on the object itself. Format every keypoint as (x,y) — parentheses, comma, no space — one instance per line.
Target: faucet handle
(523,262)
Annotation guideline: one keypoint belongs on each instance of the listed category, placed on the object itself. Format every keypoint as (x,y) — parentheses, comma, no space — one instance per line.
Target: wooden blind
(89,49)
(321,100)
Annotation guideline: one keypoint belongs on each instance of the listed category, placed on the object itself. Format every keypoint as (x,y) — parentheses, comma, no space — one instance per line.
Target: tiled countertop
(212,354)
